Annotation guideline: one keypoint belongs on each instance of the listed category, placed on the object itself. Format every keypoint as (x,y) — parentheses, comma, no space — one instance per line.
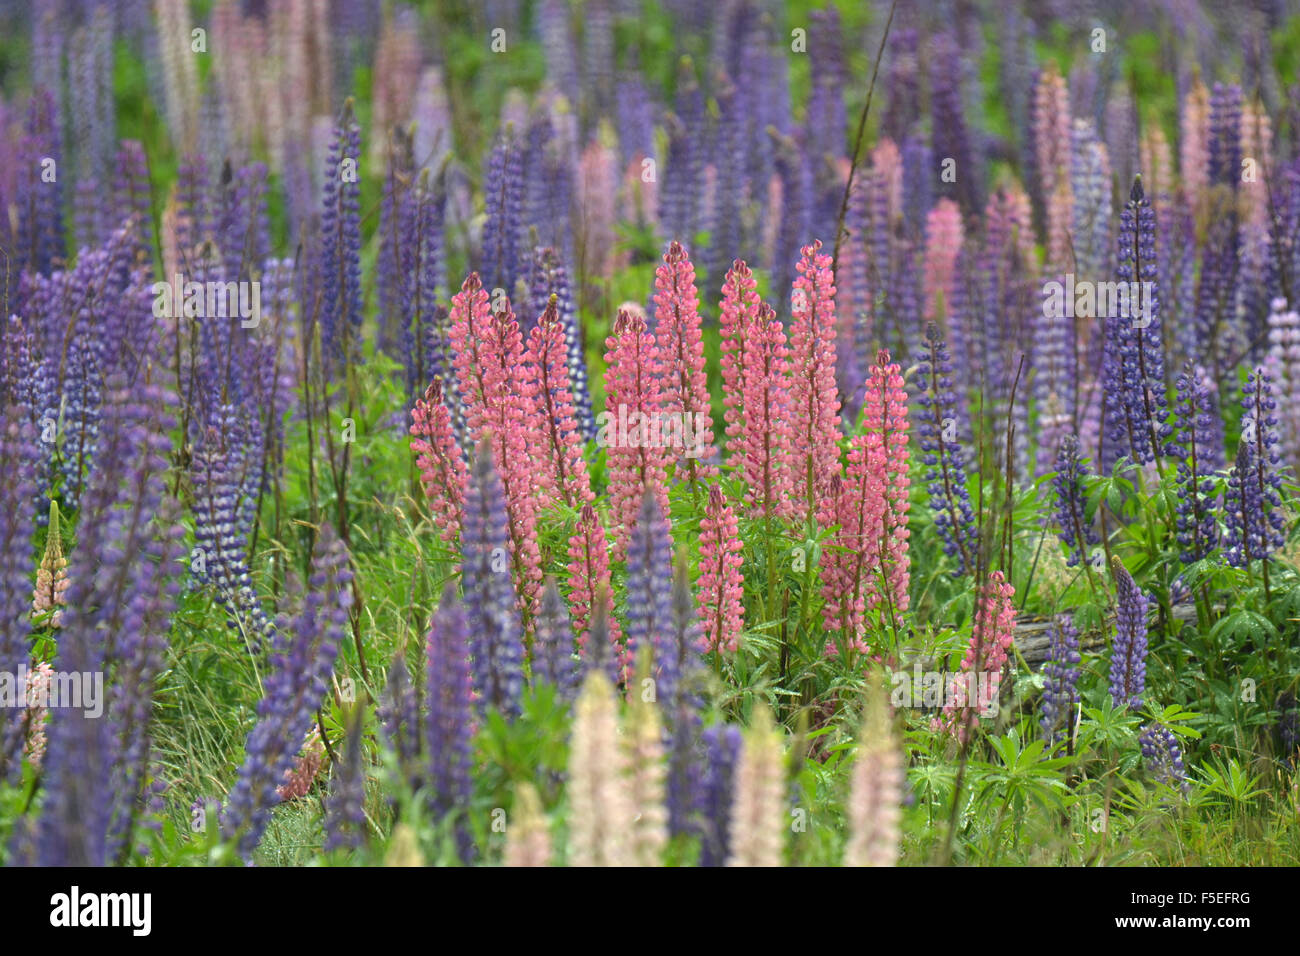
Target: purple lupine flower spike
(553,658)
(1196,431)
(503,191)
(1061,671)
(1133,374)
(649,595)
(1128,657)
(449,724)
(340,261)
(301,662)
(942,453)
(1163,757)
(683,702)
(722,752)
(1253,502)
(1076,530)
(17,490)
(345,808)
(490,602)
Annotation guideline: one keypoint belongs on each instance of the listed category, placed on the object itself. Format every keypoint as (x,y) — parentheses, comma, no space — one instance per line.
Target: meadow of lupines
(616,432)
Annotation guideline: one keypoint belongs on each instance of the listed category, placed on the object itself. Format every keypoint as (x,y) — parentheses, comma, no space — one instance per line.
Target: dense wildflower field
(619,432)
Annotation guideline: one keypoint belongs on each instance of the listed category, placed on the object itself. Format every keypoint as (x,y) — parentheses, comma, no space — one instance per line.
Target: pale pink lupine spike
(876,792)
(944,235)
(1257,146)
(589,582)
(596,196)
(887,173)
(886,433)
(721,585)
(814,399)
(443,472)
(546,384)
(738,312)
(1051,121)
(633,409)
(758,808)
(685,382)
(1194,140)
(765,442)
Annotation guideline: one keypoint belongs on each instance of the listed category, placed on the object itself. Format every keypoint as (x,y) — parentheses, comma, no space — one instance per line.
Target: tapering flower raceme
(722,747)
(1061,674)
(681,353)
(340,263)
(223,474)
(856,506)
(635,457)
(120,598)
(649,596)
(1090,193)
(814,401)
(682,708)
(974,691)
(1163,757)
(1283,365)
(765,444)
(467,333)
(1195,419)
(39,240)
(1225,135)
(449,723)
(599,810)
(1253,502)
(644,782)
(301,661)
(490,363)
(395,273)
(553,658)
(503,192)
(1133,380)
(1051,119)
(399,720)
(885,433)
(549,277)
(721,585)
(1128,655)
(17,489)
(1194,138)
(421,320)
(738,314)
(876,794)
(345,809)
(528,841)
(589,584)
(758,807)
(441,464)
(941,452)
(546,382)
(1076,531)
(951,133)
(944,236)
(492,609)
